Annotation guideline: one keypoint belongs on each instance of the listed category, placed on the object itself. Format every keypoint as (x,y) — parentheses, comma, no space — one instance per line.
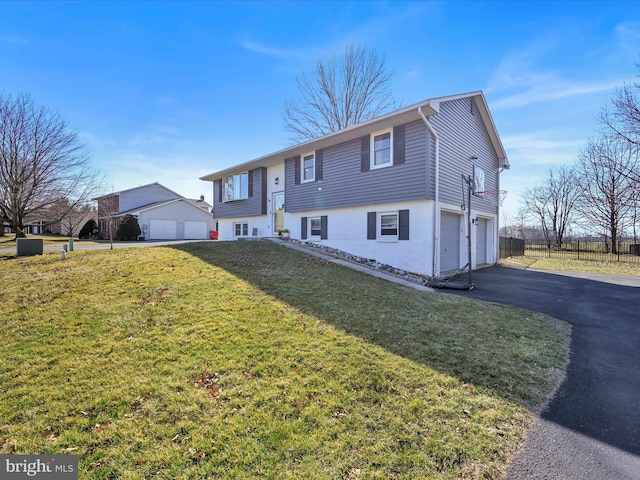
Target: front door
(278,211)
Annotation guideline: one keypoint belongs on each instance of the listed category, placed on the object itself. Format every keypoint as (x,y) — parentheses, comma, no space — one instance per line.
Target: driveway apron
(591,427)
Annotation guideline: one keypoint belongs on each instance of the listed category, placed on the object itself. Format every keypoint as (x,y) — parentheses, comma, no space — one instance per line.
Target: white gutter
(436,203)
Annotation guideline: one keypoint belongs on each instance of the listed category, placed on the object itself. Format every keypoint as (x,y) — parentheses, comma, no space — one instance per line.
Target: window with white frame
(241,229)
(308,167)
(388,222)
(315,226)
(235,187)
(382,149)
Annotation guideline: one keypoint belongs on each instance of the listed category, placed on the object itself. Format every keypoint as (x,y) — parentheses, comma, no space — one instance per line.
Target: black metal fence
(511,247)
(624,251)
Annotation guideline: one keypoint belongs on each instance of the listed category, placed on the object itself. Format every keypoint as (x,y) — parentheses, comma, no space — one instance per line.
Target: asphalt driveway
(591,428)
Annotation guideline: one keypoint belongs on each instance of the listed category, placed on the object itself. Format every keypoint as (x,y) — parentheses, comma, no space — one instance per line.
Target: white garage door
(449,242)
(163,229)
(195,230)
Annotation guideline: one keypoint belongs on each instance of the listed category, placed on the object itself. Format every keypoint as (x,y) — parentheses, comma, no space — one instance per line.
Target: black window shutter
(296,162)
(398,145)
(318,164)
(250,175)
(219,183)
(323,227)
(365,160)
(303,229)
(263,175)
(371,226)
(403,221)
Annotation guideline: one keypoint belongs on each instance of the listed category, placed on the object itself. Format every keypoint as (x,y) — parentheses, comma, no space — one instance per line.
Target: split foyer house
(162,214)
(391,189)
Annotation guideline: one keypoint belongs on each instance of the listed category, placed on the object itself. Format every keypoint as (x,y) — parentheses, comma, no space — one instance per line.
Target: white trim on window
(235,187)
(308,167)
(382,156)
(388,226)
(315,227)
(240,229)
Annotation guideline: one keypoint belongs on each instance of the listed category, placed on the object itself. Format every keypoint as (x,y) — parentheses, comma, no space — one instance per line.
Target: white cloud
(518,81)
(15,39)
(412,74)
(538,149)
(549,91)
(156,134)
(631,30)
(165,101)
(276,51)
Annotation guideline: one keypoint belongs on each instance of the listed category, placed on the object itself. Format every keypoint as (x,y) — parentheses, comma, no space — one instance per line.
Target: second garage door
(163,229)
(195,230)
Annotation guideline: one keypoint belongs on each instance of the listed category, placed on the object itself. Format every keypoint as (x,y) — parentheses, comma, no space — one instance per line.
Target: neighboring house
(162,213)
(200,202)
(390,189)
(74,221)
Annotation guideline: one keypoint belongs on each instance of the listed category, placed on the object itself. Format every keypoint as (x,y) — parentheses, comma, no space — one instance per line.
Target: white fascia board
(403,115)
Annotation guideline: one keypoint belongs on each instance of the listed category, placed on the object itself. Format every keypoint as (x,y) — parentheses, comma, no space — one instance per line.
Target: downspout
(436,204)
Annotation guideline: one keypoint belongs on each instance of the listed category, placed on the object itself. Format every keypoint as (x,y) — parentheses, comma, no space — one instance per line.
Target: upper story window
(308,167)
(381,149)
(235,187)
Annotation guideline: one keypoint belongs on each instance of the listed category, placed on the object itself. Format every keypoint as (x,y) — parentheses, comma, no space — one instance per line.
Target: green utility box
(29,246)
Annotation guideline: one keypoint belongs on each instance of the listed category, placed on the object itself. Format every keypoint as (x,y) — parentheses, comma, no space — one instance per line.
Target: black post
(469,226)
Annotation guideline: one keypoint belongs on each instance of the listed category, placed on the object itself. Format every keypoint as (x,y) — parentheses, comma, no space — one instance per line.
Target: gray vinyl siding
(252,206)
(463,135)
(343,183)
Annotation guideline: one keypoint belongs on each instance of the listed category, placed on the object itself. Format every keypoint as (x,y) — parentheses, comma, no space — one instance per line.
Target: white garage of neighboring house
(177,219)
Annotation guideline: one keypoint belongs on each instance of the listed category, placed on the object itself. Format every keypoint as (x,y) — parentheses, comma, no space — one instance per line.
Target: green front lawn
(250,360)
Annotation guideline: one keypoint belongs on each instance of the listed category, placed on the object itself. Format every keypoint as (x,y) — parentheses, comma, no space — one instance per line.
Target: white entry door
(277,203)
(481,241)
(449,242)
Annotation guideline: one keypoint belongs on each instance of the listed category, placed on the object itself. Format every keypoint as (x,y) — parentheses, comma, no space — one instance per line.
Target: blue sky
(171,91)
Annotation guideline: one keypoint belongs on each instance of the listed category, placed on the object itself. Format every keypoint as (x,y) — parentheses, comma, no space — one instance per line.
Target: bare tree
(553,202)
(338,93)
(41,161)
(604,168)
(622,116)
(76,217)
(108,207)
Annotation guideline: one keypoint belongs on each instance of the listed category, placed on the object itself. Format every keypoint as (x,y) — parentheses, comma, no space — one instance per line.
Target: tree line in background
(600,192)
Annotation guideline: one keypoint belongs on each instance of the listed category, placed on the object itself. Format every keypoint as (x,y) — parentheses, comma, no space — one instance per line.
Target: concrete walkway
(354,266)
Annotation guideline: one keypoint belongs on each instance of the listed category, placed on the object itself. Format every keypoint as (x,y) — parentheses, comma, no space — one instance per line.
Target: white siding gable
(145,195)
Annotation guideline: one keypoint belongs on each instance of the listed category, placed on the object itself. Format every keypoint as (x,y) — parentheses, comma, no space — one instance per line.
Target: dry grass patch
(574,265)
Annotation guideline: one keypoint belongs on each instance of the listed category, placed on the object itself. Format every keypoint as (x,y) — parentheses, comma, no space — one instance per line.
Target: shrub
(89,230)
(129,228)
